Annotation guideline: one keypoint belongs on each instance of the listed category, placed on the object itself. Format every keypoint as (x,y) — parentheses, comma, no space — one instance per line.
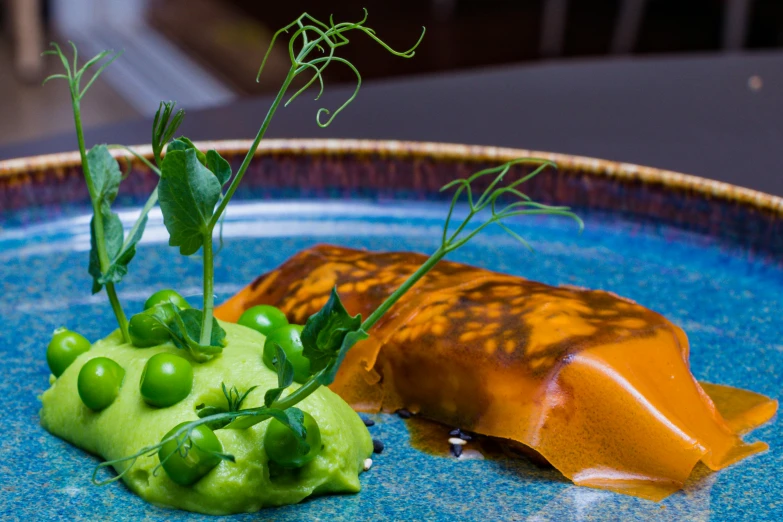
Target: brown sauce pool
(432,437)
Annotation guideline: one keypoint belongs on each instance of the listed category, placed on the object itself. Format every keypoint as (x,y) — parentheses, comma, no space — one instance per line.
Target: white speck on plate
(471,454)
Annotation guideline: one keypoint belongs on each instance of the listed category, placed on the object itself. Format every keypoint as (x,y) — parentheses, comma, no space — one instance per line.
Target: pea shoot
(111,250)
(191,191)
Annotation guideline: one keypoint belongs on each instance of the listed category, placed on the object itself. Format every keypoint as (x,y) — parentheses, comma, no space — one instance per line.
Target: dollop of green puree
(249,484)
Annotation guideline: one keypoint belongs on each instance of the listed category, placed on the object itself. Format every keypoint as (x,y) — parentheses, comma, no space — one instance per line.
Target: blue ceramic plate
(705,255)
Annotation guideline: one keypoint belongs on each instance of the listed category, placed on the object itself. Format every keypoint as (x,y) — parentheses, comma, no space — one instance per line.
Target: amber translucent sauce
(737,406)
(598,385)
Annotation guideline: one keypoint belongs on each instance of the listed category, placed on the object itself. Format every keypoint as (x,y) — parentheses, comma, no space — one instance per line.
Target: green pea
(282,446)
(145,328)
(99,382)
(166,295)
(263,318)
(289,338)
(63,349)
(199,460)
(166,380)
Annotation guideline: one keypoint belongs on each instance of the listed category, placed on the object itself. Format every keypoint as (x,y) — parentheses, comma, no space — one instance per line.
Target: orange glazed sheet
(597,384)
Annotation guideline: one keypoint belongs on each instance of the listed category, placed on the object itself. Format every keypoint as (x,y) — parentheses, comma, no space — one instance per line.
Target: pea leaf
(293,418)
(285,370)
(106,176)
(184,327)
(326,377)
(192,319)
(112,237)
(183,143)
(206,411)
(285,376)
(188,193)
(105,173)
(219,166)
(185,330)
(120,262)
(325,332)
(272,395)
(164,313)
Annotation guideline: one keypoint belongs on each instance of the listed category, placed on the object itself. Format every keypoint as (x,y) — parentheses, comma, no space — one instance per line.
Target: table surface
(693,114)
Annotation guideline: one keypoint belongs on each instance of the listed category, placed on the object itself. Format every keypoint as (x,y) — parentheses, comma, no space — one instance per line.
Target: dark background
(471,33)
(679,95)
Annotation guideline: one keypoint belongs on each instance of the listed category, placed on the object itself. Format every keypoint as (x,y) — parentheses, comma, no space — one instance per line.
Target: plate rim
(622,172)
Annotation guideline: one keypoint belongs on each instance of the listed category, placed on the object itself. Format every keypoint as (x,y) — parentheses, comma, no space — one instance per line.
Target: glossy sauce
(739,408)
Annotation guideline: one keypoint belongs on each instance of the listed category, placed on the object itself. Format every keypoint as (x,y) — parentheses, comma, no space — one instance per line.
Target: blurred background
(205,53)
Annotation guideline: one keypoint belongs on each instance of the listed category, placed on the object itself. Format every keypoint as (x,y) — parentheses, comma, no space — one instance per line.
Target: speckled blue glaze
(729,304)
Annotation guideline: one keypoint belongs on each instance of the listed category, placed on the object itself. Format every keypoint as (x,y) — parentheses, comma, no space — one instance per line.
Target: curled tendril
(312,35)
(523,206)
(324,110)
(72,72)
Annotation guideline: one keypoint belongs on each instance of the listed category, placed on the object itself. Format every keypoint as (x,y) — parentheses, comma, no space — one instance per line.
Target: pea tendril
(489,199)
(192,199)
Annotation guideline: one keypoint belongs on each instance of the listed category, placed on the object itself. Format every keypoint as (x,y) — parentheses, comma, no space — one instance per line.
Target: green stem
(254,415)
(298,395)
(77,117)
(151,201)
(403,288)
(206,324)
(103,256)
(312,383)
(100,241)
(251,152)
(138,156)
(459,229)
(122,320)
(209,294)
